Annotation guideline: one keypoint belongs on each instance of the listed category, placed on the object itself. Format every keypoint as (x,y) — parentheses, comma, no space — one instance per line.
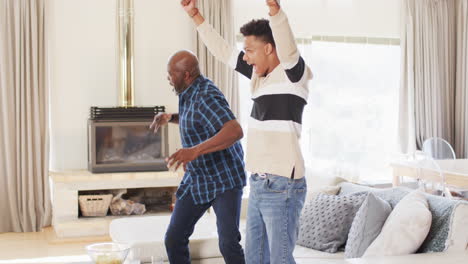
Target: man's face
(176,79)
(256,54)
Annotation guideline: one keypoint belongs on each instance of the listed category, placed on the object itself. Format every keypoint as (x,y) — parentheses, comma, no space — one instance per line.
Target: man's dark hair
(259,28)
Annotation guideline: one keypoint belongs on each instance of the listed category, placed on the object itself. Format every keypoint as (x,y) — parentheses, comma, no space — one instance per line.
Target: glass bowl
(108,253)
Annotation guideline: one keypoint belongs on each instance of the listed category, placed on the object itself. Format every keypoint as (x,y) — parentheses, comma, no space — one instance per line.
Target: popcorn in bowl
(108,253)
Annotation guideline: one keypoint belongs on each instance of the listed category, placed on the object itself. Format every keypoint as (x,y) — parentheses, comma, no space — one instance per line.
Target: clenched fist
(274,6)
(272,3)
(189,6)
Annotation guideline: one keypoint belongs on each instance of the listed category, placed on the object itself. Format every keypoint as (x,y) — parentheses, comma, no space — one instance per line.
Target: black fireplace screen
(125,145)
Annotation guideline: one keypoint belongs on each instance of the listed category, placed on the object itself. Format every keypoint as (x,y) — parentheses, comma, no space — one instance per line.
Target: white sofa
(146,235)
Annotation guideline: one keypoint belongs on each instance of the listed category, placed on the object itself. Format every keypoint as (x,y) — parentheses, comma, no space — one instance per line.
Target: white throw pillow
(405,228)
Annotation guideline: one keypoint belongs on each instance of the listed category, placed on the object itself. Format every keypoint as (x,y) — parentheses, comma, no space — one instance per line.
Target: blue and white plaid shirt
(203,111)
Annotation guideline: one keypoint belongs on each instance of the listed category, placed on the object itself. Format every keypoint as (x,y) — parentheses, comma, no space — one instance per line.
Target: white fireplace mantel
(65,186)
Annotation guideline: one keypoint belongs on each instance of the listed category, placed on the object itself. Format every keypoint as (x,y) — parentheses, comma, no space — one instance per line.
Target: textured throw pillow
(367,225)
(405,228)
(326,220)
(442,210)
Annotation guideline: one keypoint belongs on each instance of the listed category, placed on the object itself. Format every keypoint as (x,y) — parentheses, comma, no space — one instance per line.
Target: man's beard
(178,89)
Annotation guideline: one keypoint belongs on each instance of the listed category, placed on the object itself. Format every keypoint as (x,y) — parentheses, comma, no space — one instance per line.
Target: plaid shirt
(203,111)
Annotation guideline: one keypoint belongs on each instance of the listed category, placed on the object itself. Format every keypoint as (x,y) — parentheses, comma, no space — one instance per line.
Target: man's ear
(268,48)
(186,75)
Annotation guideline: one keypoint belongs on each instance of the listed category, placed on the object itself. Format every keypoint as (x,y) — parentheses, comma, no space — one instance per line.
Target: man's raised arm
(216,44)
(286,46)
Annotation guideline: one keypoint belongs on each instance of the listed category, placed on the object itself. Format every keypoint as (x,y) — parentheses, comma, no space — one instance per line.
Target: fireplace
(119,140)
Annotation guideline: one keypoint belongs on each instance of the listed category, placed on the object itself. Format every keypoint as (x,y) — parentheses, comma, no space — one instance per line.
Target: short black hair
(259,28)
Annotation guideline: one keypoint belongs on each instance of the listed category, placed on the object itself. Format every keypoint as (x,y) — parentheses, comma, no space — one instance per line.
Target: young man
(212,157)
(279,79)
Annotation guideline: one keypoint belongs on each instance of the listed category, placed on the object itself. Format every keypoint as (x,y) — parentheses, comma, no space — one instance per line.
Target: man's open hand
(182,157)
(160,120)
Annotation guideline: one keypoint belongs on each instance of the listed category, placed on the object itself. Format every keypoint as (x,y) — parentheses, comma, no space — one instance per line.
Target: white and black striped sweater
(279,99)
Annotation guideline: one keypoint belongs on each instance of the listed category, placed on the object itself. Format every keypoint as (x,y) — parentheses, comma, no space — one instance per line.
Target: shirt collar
(191,89)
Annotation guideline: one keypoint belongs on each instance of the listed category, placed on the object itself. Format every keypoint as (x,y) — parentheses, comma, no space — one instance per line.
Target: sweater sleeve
(222,50)
(286,46)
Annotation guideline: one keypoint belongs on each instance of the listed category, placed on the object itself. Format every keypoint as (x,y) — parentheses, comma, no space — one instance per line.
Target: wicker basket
(95,205)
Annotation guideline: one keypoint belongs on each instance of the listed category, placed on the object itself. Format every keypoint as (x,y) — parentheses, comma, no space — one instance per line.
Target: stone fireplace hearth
(66,187)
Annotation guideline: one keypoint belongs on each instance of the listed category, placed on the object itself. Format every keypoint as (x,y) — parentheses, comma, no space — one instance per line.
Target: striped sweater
(274,127)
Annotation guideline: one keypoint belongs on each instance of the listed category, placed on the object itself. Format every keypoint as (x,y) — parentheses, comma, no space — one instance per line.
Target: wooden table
(455,171)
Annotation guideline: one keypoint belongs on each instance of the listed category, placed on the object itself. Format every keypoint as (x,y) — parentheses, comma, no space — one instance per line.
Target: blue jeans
(275,204)
(186,213)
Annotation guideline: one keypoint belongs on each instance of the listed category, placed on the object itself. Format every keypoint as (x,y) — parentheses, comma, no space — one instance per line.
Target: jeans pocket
(299,185)
(277,184)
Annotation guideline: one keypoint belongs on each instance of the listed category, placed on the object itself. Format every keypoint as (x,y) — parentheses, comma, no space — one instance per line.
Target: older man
(212,157)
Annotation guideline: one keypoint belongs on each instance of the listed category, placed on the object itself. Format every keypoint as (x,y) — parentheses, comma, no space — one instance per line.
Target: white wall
(83,54)
(371,18)
(83,66)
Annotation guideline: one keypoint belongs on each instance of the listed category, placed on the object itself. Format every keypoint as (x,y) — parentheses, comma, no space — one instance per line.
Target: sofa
(146,234)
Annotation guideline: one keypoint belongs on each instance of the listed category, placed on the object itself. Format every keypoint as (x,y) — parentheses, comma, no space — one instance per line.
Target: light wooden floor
(44,247)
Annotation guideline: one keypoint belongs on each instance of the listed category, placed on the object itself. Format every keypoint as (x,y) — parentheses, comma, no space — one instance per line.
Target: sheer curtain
(461,112)
(219,14)
(24,189)
(433,84)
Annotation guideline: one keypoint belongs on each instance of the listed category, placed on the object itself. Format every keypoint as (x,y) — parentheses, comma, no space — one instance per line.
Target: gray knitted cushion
(442,210)
(367,225)
(326,220)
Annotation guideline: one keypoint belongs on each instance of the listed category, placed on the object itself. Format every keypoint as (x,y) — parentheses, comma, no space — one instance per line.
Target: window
(350,122)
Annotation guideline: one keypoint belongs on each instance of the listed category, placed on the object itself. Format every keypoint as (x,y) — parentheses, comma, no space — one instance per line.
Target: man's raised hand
(274,6)
(189,5)
(272,2)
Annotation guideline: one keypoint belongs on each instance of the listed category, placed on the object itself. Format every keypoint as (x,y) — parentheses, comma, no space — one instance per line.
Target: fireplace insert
(119,140)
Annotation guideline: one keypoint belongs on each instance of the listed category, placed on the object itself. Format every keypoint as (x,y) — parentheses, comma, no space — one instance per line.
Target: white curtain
(430,99)
(220,15)
(24,189)
(461,112)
